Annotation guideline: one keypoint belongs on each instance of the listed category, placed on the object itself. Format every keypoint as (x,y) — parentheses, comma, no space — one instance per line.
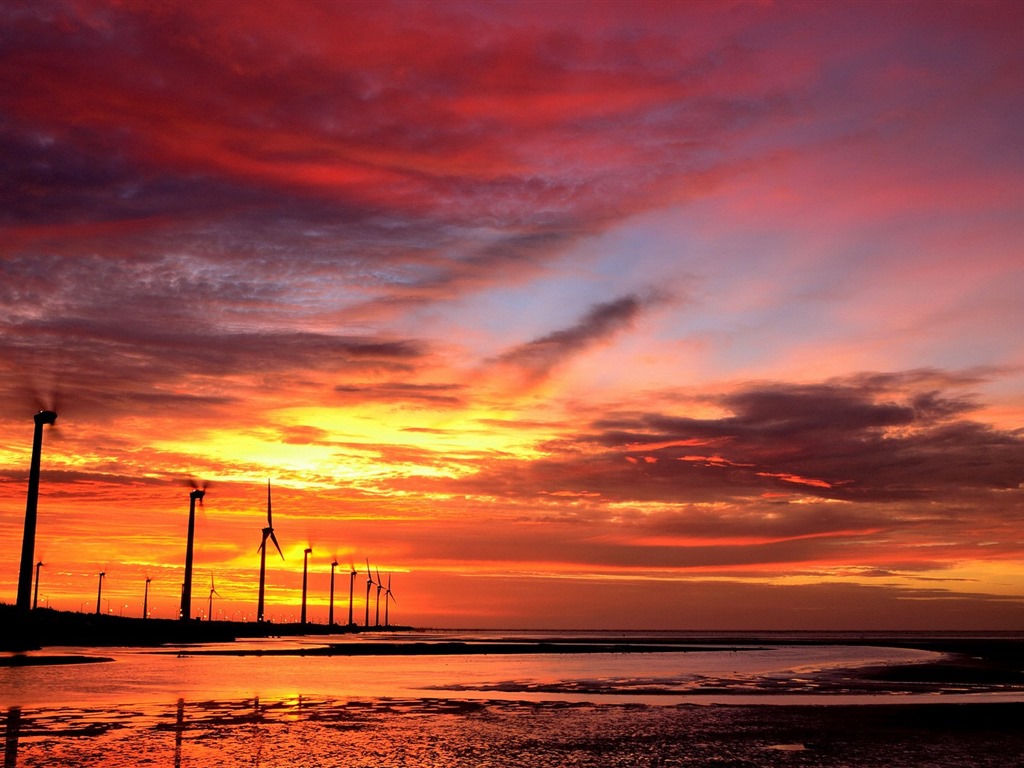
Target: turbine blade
(270,523)
(274,539)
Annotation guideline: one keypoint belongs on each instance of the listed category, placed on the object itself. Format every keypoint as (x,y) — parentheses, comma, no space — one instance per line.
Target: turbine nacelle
(45,417)
(268,533)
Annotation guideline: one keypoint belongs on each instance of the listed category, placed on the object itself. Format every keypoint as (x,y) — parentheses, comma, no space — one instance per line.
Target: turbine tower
(28,542)
(379,588)
(388,596)
(369,583)
(305,573)
(145,600)
(35,592)
(197,493)
(99,593)
(351,590)
(268,533)
(330,610)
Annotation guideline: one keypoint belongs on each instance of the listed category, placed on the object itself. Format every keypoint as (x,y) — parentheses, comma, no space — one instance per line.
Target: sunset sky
(591,315)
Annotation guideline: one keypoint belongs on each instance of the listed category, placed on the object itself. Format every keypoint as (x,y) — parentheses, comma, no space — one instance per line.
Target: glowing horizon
(683,316)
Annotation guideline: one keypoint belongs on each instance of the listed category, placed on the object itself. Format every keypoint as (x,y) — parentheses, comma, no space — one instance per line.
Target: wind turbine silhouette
(197,493)
(213,591)
(28,541)
(35,592)
(369,583)
(330,611)
(305,572)
(99,593)
(379,588)
(388,596)
(145,600)
(268,532)
(351,590)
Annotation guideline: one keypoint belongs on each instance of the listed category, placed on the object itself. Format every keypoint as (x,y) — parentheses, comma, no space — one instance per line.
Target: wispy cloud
(536,359)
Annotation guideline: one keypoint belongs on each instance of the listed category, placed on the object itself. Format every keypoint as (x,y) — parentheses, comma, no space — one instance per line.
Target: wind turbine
(186,590)
(388,596)
(268,532)
(145,600)
(379,588)
(99,593)
(351,589)
(35,593)
(28,541)
(330,611)
(305,573)
(369,583)
(213,591)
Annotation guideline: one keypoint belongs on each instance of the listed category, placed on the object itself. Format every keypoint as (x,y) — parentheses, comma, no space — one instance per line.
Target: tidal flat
(436,733)
(444,699)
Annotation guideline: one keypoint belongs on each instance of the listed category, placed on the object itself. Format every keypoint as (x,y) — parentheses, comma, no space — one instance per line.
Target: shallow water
(182,708)
(143,675)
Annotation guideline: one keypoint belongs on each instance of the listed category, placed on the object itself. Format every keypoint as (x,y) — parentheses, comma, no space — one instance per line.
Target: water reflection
(179,729)
(11,732)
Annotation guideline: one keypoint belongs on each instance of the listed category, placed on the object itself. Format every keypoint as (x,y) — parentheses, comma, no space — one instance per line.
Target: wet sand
(468,734)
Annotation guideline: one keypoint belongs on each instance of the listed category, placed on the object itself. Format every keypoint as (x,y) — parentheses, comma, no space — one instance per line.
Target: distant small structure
(35,593)
(305,573)
(388,597)
(213,591)
(99,593)
(369,583)
(351,591)
(330,610)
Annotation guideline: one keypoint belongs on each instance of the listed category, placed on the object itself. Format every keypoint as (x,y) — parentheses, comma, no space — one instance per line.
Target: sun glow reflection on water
(702,674)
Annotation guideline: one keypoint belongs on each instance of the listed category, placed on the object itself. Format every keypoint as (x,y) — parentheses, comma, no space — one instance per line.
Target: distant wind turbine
(35,592)
(351,590)
(369,583)
(305,573)
(99,593)
(330,611)
(379,588)
(268,533)
(145,600)
(28,542)
(197,493)
(388,596)
(213,591)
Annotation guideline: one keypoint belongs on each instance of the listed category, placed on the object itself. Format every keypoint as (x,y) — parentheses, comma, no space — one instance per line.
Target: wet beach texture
(468,734)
